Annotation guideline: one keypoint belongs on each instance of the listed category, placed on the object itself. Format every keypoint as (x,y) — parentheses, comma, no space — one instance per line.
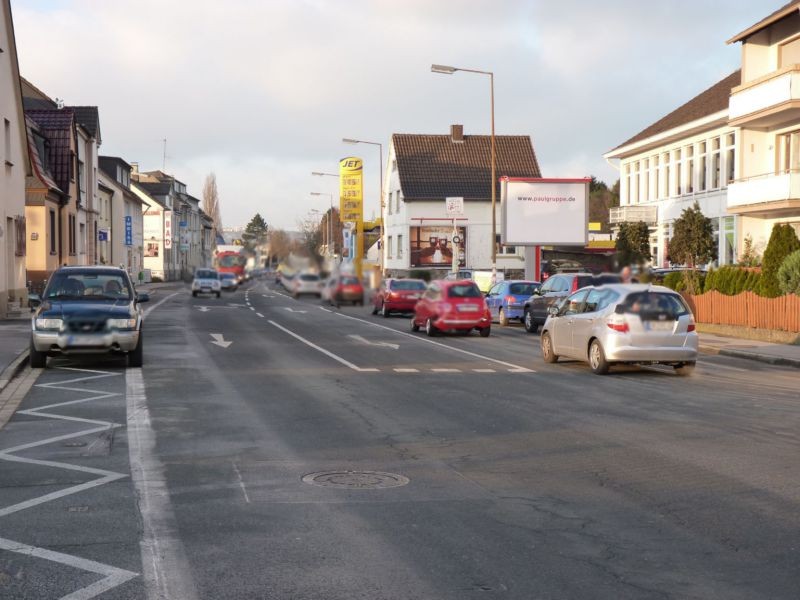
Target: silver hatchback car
(622,323)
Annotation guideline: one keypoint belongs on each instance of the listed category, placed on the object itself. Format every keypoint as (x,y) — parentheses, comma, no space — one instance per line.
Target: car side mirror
(34,300)
(142,297)
(553,311)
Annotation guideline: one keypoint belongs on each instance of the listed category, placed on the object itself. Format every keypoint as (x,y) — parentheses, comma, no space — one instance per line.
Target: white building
(765,109)
(125,216)
(13,170)
(687,156)
(423,170)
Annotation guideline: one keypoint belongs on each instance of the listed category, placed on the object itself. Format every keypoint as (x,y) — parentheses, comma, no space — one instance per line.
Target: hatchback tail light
(510,299)
(618,323)
(691,326)
(574,285)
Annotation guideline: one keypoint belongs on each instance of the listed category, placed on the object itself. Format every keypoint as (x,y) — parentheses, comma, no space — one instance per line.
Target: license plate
(467,308)
(659,325)
(83,340)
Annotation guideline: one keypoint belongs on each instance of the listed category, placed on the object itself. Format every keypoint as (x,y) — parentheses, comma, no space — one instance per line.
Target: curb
(13,369)
(765,358)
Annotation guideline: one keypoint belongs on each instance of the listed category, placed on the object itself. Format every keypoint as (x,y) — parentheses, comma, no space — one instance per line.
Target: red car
(452,306)
(343,288)
(397,295)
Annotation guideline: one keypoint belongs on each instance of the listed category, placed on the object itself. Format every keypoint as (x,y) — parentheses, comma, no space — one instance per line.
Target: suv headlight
(46,324)
(121,323)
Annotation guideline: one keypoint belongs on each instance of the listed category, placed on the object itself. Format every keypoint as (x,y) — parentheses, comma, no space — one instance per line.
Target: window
(645,195)
(389,247)
(394,165)
(397,200)
(789,152)
(667,182)
(729,240)
(7,141)
(399,246)
(678,172)
(574,304)
(701,182)
(71,234)
(628,197)
(82,238)
(53,232)
(715,164)
(20,236)
(503,249)
(730,159)
(656,178)
(789,53)
(389,205)
(689,169)
(635,191)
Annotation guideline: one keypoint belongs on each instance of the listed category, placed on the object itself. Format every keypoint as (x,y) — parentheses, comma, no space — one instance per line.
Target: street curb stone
(13,369)
(765,358)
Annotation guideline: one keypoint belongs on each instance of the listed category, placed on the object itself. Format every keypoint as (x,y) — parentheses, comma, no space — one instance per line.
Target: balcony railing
(763,102)
(764,188)
(633,214)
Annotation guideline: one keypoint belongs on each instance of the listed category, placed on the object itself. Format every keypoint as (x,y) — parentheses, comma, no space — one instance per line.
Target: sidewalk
(774,354)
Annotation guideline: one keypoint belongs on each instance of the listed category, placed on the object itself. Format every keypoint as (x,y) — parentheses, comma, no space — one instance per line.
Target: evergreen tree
(782,242)
(692,244)
(789,274)
(633,244)
(255,234)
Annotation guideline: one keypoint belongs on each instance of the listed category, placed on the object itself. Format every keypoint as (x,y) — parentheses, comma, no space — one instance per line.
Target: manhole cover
(356,480)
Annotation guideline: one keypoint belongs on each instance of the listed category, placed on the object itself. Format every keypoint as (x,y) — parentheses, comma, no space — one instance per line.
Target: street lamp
(447,70)
(380,196)
(330,219)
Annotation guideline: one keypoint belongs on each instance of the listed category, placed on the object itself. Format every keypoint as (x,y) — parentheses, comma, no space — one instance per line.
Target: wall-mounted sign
(454,205)
(167,229)
(129,230)
(102,235)
(434,246)
(34,236)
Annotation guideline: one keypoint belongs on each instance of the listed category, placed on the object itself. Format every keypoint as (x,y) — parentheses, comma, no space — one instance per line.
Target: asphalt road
(272,449)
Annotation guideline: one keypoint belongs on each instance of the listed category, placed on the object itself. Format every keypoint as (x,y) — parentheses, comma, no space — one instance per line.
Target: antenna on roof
(164,158)
(59,103)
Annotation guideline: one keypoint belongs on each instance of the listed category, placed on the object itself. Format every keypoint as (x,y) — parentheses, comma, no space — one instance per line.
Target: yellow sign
(351,189)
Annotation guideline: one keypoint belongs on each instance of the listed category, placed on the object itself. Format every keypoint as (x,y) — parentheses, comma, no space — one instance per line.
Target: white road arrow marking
(358,338)
(203,308)
(293,310)
(219,340)
(235,304)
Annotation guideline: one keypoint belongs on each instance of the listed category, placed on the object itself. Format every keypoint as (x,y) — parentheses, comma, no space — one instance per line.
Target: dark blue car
(506,299)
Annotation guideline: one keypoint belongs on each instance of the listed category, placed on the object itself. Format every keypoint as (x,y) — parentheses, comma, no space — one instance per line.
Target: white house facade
(421,172)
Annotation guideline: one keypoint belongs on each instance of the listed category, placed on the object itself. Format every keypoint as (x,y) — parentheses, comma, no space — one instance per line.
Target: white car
(206,281)
(306,283)
(622,324)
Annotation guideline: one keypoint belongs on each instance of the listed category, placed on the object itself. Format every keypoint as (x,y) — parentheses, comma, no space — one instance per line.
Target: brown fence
(747,310)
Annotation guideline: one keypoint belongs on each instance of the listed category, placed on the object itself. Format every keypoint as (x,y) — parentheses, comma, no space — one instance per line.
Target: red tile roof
(57,126)
(432,167)
(712,100)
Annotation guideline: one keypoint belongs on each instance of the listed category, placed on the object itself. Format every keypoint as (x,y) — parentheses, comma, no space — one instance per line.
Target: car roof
(452,282)
(99,268)
(627,288)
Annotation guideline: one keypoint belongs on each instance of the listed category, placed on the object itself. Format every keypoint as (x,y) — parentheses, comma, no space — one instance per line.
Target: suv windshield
(206,274)
(76,285)
(309,277)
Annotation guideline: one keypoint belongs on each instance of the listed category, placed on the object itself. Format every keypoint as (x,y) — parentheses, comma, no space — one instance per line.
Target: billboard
(551,212)
(151,249)
(351,189)
(433,246)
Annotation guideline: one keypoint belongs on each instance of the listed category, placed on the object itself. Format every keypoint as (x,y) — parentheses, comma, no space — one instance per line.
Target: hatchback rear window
(407,284)
(349,280)
(523,289)
(463,290)
(207,274)
(583,281)
(654,306)
(309,277)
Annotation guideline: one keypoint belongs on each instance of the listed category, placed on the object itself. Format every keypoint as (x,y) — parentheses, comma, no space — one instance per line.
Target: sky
(261,92)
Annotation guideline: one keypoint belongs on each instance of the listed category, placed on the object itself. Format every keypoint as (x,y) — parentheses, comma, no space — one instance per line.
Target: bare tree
(280,245)
(211,202)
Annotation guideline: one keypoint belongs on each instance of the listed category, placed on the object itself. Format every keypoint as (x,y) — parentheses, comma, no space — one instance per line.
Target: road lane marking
(290,309)
(325,309)
(328,353)
(219,340)
(252,307)
(159,303)
(422,339)
(260,315)
(406,370)
(241,482)
(166,570)
(446,370)
(363,340)
(483,371)
(113,576)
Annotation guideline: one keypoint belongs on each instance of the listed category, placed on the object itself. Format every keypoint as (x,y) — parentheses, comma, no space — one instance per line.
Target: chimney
(457,134)
(134,168)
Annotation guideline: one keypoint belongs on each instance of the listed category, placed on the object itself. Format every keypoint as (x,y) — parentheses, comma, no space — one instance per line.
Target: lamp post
(447,70)
(330,220)
(380,196)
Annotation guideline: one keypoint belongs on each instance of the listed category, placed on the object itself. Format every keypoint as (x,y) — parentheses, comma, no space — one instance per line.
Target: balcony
(766,196)
(633,214)
(767,101)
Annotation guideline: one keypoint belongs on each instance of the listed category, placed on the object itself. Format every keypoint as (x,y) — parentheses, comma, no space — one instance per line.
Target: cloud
(261,92)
